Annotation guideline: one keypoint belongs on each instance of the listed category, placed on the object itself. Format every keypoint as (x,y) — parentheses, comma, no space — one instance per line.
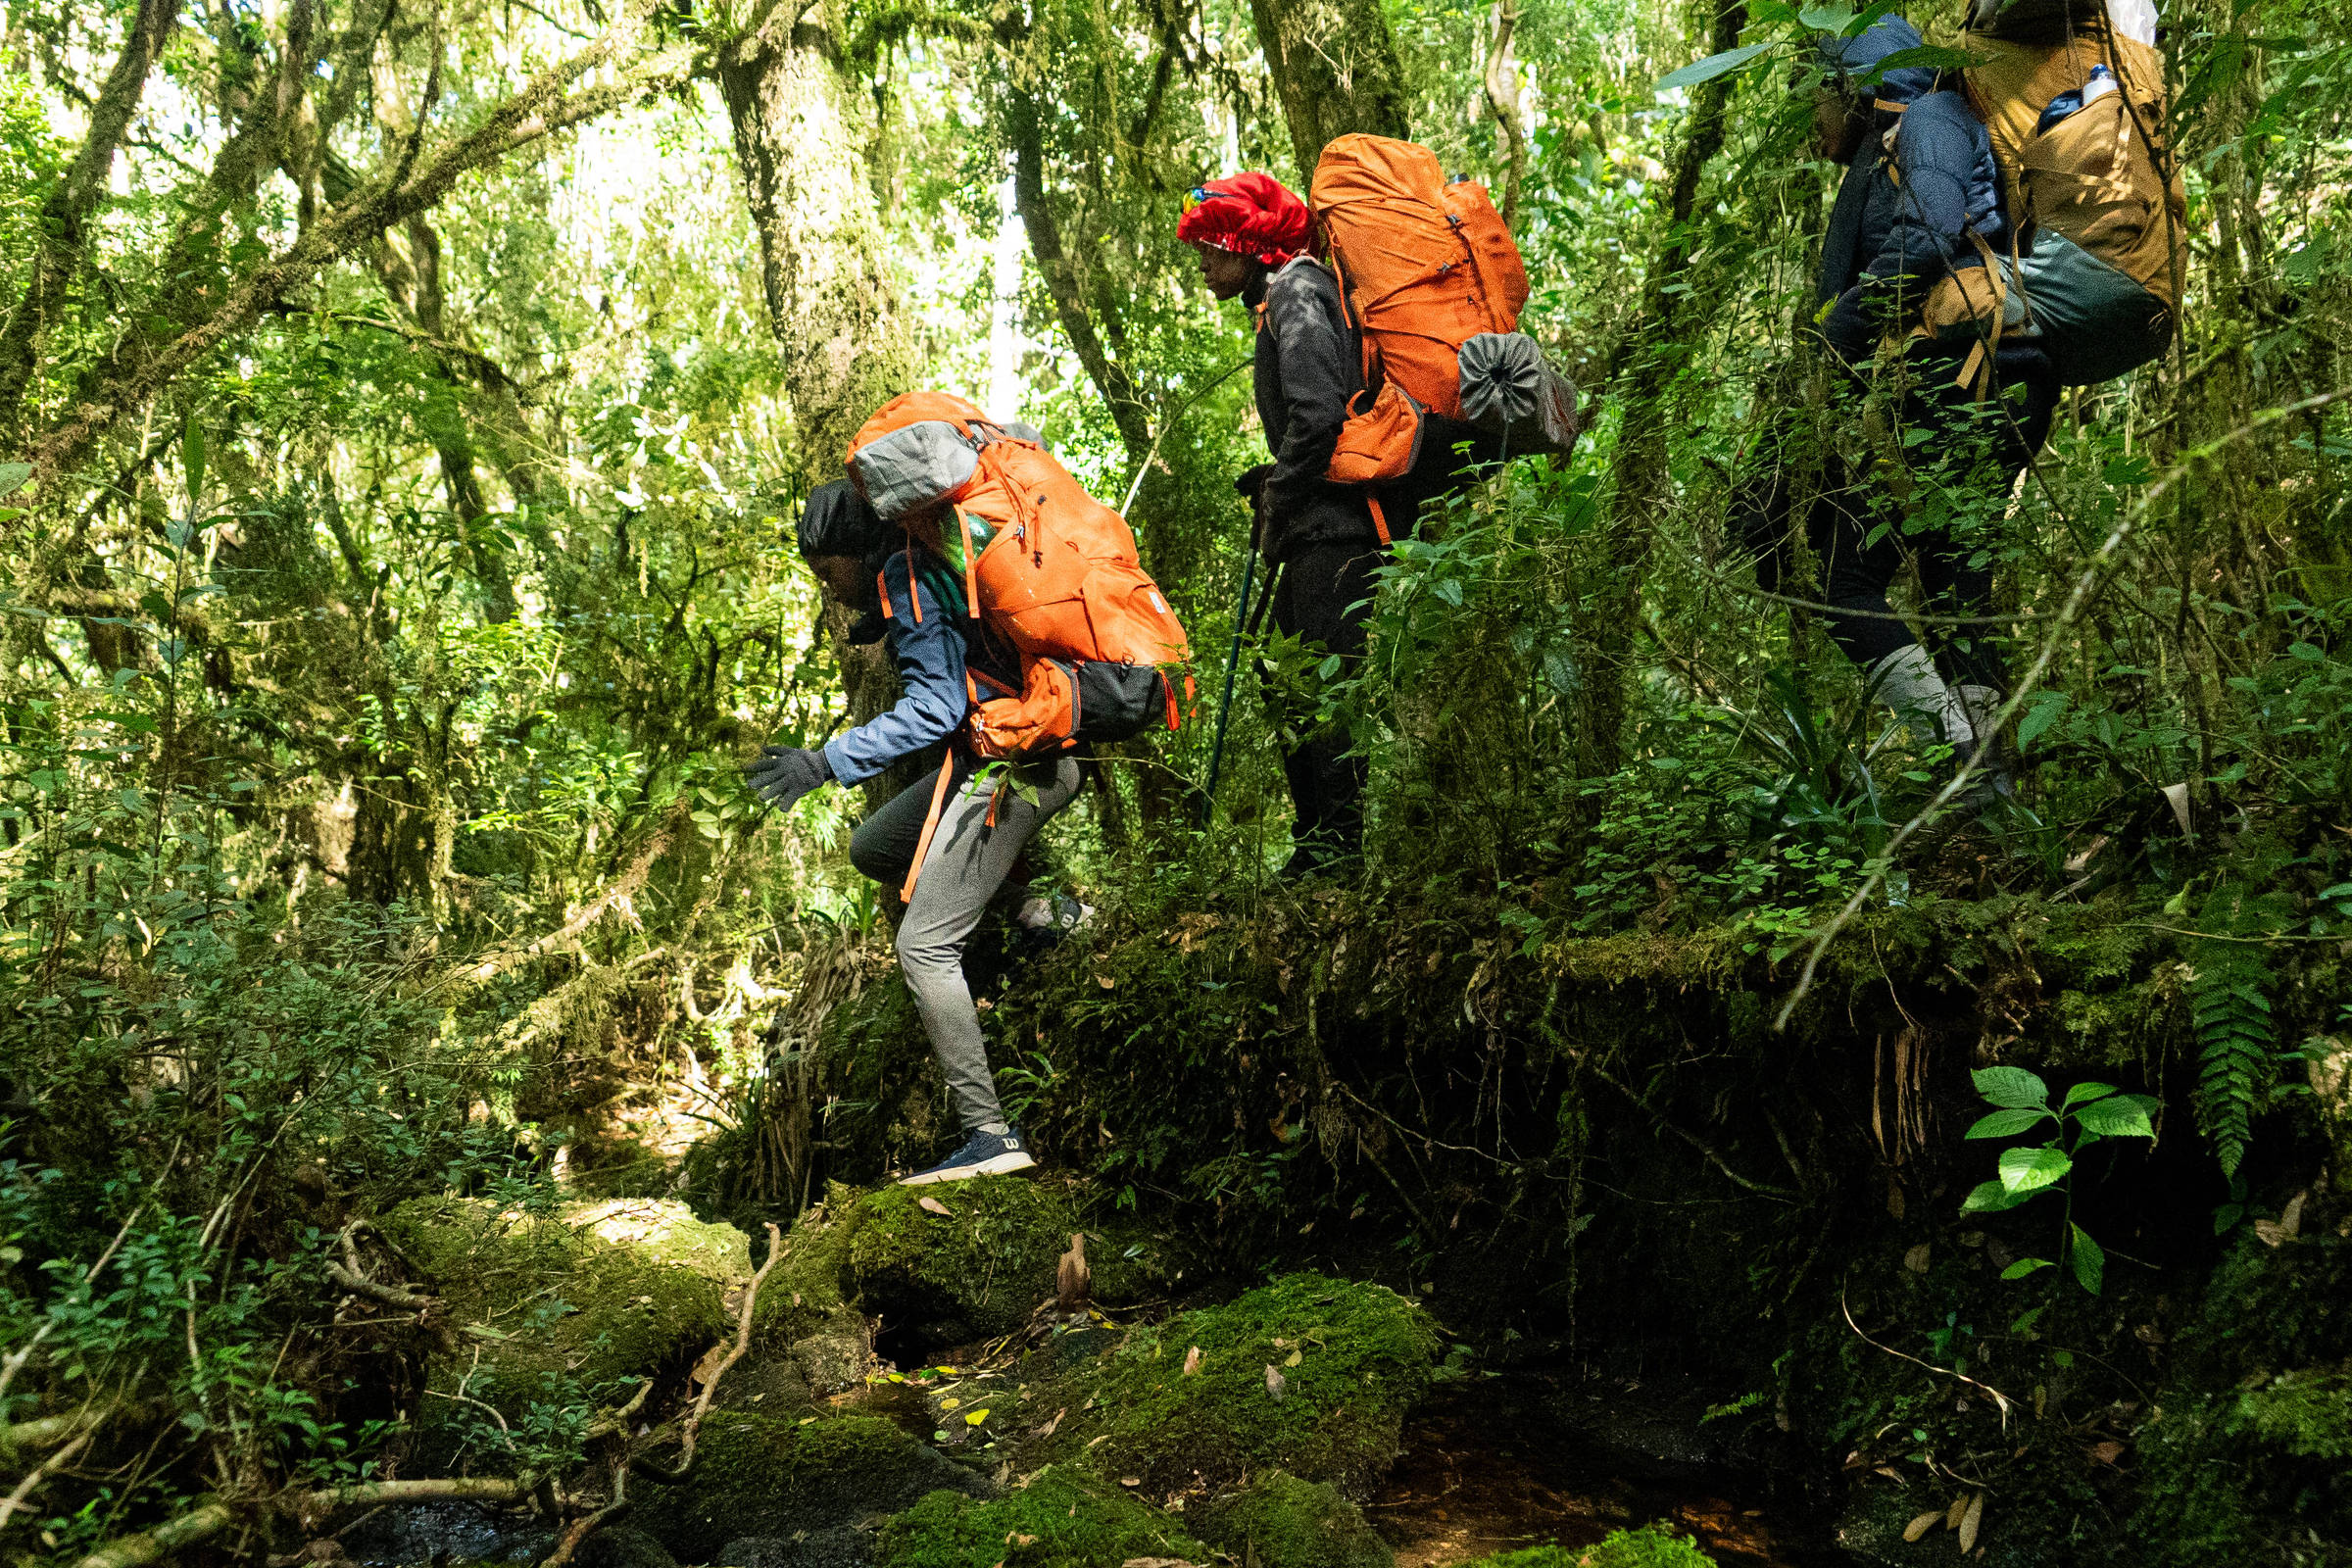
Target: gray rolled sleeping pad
(1510,390)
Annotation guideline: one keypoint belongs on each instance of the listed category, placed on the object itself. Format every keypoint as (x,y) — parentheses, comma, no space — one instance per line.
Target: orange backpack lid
(910,408)
(1423,266)
(916,451)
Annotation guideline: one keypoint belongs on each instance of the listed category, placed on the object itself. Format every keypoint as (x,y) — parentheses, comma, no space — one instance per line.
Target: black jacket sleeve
(1318,373)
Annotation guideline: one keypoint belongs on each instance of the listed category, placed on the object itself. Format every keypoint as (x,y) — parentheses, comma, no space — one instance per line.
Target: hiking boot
(984,1154)
(1055,914)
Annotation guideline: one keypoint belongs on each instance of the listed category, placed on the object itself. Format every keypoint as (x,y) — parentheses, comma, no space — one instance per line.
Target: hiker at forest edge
(1253,236)
(1921,204)
(981,832)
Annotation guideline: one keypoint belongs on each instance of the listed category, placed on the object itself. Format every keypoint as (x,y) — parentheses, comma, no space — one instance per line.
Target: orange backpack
(1058,578)
(1424,268)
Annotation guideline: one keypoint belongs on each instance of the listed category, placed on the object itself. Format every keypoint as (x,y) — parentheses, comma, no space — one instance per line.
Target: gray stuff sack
(1512,391)
(914,467)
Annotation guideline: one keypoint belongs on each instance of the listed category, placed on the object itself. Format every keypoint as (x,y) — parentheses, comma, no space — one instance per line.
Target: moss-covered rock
(1063,1518)
(1278,1521)
(757,1476)
(578,1300)
(1308,1375)
(976,1271)
(2246,1460)
(1651,1546)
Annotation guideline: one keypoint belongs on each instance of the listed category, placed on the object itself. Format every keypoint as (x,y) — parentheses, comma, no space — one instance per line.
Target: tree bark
(1654,344)
(848,345)
(1502,97)
(68,209)
(1063,282)
(1335,64)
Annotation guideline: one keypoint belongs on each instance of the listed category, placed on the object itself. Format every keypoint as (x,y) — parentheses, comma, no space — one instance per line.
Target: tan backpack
(2101,248)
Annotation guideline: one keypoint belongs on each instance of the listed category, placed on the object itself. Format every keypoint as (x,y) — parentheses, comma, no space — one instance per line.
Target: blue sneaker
(982,1154)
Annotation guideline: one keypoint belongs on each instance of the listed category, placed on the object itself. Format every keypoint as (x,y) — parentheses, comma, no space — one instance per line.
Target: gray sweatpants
(967,865)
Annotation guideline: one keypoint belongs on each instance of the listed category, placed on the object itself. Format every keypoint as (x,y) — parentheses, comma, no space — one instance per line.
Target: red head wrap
(1249,214)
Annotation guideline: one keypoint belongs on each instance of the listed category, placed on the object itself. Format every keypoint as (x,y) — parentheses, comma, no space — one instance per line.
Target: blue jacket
(933,643)
(1891,238)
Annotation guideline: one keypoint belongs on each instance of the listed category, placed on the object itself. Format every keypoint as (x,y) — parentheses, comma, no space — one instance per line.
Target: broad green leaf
(2082,1094)
(2030,1170)
(191,458)
(2013,1087)
(2091,1263)
(1707,70)
(2124,1116)
(2225,1218)
(2046,708)
(1990,1197)
(1826,18)
(2005,1123)
(2025,1267)
(13,476)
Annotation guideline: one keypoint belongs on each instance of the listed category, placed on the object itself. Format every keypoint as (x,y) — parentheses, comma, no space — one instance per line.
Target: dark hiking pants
(1324,599)
(1861,534)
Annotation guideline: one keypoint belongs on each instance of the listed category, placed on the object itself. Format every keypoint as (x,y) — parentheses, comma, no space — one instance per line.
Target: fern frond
(2234,1043)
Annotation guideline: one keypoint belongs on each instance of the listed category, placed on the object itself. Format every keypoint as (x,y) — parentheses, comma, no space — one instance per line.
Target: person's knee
(873,856)
(921,952)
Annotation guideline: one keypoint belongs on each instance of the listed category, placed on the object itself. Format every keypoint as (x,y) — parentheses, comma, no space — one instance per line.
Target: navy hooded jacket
(1902,222)
(933,643)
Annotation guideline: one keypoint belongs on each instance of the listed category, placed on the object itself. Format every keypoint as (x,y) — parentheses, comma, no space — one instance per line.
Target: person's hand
(785,773)
(1252,481)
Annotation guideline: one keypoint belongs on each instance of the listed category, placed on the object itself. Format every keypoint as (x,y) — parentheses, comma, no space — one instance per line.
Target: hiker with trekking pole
(1024,632)
(1962,284)
(1378,377)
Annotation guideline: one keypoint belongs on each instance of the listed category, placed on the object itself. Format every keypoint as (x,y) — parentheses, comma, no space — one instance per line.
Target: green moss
(1352,1359)
(1283,1522)
(759,1476)
(2305,1413)
(1651,1546)
(1061,1519)
(589,1294)
(979,1270)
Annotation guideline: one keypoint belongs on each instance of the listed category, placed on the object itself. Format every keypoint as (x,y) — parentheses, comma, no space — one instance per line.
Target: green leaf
(2046,708)
(1707,70)
(2005,1123)
(2025,1267)
(2225,1218)
(2030,1170)
(13,476)
(2013,1087)
(2125,1116)
(191,456)
(2081,1094)
(1990,1197)
(1826,18)
(2091,1263)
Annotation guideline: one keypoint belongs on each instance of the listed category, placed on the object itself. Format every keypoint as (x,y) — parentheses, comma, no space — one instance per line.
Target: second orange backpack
(1426,268)
(1059,576)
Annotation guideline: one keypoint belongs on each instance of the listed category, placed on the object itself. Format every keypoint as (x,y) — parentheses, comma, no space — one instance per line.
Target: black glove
(1252,480)
(785,773)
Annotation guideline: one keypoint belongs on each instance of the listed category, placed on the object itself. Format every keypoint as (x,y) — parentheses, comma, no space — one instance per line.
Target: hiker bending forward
(1921,202)
(921,595)
(1253,236)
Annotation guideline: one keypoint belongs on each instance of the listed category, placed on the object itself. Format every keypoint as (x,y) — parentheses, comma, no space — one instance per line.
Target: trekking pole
(1233,659)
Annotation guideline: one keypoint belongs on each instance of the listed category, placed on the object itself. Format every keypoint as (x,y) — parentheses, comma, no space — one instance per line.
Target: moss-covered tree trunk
(1653,355)
(800,137)
(1335,64)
